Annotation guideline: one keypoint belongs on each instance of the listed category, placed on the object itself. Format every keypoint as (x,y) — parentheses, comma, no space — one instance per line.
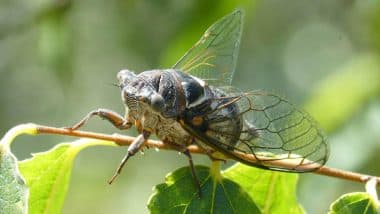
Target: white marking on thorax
(196,102)
(201,82)
(200,99)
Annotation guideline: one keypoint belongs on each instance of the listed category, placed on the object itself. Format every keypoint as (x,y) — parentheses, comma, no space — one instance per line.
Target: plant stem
(123,140)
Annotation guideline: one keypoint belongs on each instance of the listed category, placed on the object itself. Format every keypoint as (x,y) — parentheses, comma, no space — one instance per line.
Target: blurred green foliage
(58,60)
(344,92)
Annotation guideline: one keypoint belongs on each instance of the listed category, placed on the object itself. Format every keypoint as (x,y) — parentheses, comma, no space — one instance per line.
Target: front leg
(114,118)
(136,145)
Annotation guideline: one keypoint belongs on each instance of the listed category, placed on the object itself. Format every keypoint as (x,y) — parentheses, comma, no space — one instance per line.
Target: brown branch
(123,140)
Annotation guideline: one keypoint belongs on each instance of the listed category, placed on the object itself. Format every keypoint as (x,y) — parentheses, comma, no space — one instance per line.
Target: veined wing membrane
(213,58)
(279,135)
(275,134)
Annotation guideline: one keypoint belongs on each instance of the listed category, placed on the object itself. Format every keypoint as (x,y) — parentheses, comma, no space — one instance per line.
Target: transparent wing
(213,57)
(274,130)
(274,134)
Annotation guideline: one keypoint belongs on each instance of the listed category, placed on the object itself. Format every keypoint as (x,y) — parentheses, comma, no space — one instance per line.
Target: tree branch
(123,140)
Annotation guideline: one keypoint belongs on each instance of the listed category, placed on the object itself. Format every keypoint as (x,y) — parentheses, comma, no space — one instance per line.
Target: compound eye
(157,103)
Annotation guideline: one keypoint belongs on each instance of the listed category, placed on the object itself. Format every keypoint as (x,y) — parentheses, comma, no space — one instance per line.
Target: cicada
(194,103)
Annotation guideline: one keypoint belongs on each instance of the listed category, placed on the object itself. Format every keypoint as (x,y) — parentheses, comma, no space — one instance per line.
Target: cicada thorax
(217,119)
(201,110)
(214,119)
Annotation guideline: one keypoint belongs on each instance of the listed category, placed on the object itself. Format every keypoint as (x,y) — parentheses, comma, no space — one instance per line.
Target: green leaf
(47,174)
(219,195)
(273,192)
(13,190)
(358,202)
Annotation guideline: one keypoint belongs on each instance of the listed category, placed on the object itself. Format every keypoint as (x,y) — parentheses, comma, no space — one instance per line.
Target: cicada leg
(114,118)
(193,172)
(185,151)
(136,145)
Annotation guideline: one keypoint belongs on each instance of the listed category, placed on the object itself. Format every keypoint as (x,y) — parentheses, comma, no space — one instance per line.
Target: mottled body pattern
(186,100)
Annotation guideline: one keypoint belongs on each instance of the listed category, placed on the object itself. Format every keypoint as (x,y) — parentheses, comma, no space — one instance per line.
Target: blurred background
(59,59)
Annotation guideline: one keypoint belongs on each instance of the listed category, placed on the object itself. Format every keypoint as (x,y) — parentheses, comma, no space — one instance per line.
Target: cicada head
(126,77)
(137,90)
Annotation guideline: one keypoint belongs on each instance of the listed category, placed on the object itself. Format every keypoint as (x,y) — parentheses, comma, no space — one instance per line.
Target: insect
(194,103)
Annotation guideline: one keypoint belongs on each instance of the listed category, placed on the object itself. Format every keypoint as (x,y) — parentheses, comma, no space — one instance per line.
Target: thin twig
(123,140)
